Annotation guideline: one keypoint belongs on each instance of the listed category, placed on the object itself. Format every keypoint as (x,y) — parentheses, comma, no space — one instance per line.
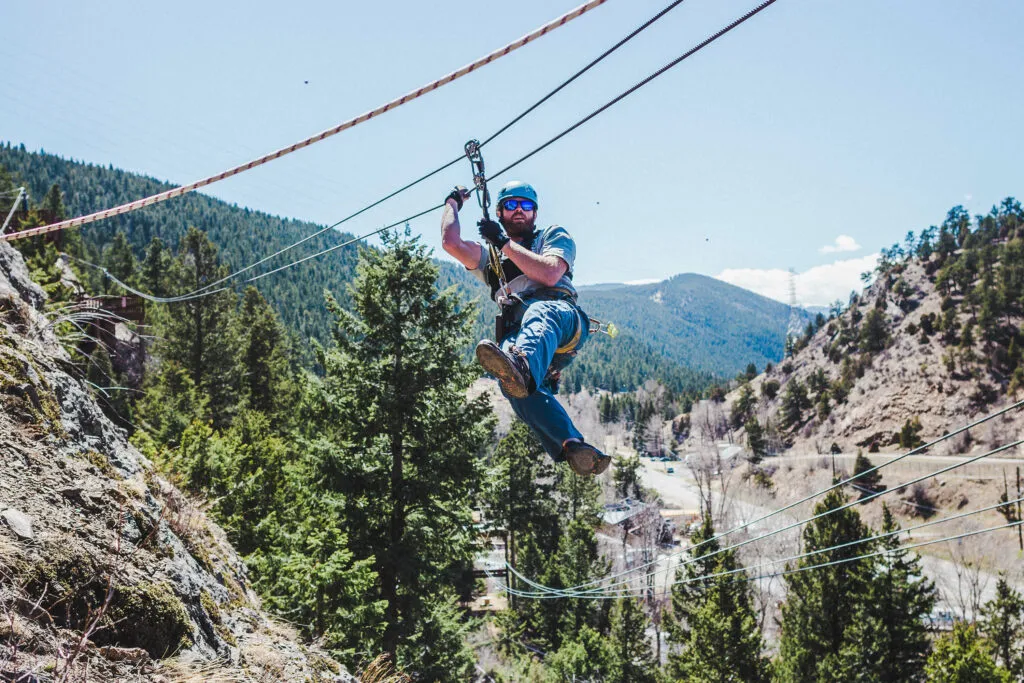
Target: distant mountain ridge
(697,321)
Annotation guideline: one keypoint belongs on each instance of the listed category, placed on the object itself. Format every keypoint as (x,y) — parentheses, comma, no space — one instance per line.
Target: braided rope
(393,104)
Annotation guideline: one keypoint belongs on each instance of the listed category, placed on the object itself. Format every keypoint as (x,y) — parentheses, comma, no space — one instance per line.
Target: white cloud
(818,286)
(647,281)
(843,243)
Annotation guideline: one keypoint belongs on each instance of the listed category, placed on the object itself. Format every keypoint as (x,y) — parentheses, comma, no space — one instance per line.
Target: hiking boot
(511,369)
(584,459)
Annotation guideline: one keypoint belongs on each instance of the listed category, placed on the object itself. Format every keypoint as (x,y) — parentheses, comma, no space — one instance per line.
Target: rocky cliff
(107,572)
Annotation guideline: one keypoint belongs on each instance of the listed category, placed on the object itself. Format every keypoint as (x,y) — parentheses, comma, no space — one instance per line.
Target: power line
(794,570)
(801,556)
(393,104)
(812,496)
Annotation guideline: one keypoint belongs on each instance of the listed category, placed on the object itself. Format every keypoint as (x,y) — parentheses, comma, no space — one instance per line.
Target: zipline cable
(393,104)
(576,125)
(449,164)
(812,496)
(697,48)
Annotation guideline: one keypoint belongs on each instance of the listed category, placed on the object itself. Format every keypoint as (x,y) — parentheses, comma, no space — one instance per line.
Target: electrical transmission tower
(793,327)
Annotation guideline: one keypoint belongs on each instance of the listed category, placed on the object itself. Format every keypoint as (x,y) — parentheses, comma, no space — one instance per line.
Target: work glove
(491,231)
(459,194)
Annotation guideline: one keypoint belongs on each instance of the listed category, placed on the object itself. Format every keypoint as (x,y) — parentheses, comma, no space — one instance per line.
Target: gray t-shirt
(551,241)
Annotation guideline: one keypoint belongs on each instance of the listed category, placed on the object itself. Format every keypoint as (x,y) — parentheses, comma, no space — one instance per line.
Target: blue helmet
(517,188)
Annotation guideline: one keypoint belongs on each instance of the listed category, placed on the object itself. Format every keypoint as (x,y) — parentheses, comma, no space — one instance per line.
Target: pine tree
(120,261)
(53,204)
(198,333)
(156,268)
(1002,622)
(821,603)
(794,401)
(866,479)
(756,442)
(963,656)
(874,333)
(626,476)
(586,656)
(887,640)
(742,407)
(263,357)
(633,660)
(713,624)
(397,439)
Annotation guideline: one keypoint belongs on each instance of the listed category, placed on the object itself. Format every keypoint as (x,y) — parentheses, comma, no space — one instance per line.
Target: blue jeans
(547,326)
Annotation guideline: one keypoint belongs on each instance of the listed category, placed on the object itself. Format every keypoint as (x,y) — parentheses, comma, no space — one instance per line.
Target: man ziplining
(541,327)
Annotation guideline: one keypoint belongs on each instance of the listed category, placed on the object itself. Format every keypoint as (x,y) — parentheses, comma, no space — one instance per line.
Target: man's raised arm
(465,252)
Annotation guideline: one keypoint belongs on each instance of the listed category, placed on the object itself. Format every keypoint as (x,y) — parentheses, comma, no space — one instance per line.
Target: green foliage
(588,655)
(633,660)
(671,319)
(626,475)
(742,407)
(119,259)
(821,604)
(264,357)
(887,639)
(756,441)
(197,342)
(963,656)
(865,476)
(244,235)
(393,436)
(713,623)
(874,333)
(910,434)
(794,402)
(770,389)
(1002,622)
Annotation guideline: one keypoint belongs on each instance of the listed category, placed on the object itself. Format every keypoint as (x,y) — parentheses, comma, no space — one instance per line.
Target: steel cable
(504,128)
(792,558)
(618,98)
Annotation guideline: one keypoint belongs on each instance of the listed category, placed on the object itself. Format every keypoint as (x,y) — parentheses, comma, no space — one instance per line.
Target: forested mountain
(696,321)
(682,332)
(242,235)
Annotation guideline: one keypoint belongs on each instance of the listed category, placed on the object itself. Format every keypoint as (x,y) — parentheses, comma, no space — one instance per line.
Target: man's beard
(517,229)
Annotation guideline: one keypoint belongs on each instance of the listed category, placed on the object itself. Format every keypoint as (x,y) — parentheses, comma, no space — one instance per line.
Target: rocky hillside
(933,342)
(107,572)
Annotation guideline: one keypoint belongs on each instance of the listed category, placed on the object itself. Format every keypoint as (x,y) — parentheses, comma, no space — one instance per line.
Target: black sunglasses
(524,204)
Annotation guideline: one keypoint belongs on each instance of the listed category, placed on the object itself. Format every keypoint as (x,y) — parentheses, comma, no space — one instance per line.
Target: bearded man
(529,272)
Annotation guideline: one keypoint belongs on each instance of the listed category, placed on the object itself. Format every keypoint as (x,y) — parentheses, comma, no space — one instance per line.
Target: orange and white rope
(408,97)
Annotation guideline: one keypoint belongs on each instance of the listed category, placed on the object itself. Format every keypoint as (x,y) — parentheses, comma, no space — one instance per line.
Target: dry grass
(382,670)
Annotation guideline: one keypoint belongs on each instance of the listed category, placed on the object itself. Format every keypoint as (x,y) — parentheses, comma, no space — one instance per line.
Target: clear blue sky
(816,119)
